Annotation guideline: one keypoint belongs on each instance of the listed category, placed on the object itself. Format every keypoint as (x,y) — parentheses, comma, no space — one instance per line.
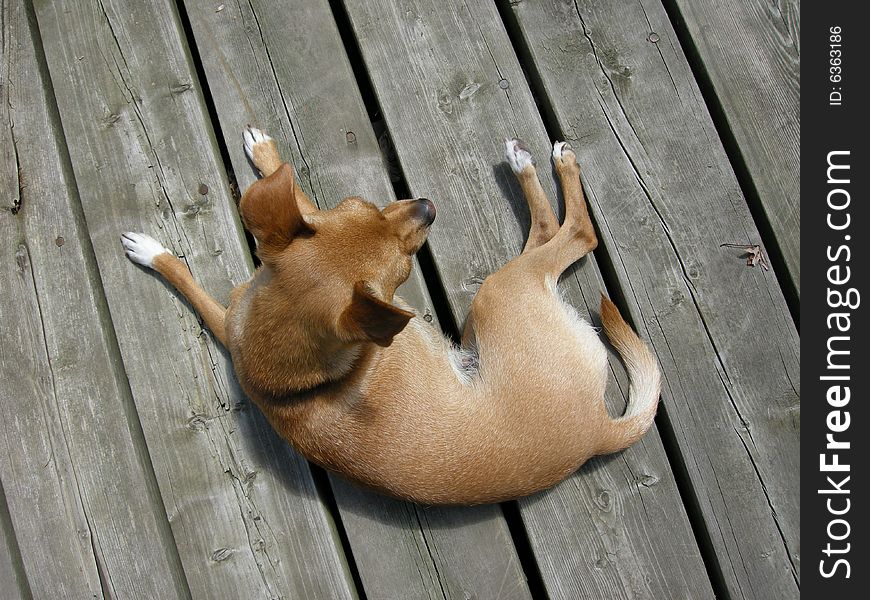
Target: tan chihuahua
(343,372)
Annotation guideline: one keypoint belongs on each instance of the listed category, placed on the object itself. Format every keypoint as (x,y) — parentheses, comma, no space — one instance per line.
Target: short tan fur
(345,373)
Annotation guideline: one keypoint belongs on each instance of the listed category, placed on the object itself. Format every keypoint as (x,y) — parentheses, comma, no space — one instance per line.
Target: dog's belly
(438,440)
(499,459)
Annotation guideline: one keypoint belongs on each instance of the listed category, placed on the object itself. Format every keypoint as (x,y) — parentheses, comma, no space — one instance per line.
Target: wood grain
(750,51)
(243,509)
(291,76)
(665,198)
(451,90)
(13,581)
(74,469)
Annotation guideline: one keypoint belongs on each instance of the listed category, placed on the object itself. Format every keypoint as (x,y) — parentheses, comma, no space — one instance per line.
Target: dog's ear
(270,212)
(368,318)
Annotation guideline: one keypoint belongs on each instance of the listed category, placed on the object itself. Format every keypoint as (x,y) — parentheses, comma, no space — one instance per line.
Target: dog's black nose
(425,210)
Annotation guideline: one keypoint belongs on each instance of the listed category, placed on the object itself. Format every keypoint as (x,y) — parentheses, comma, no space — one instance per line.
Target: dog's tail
(645,381)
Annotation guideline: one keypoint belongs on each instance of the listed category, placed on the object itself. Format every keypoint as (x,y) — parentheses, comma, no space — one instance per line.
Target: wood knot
(21,258)
(197,422)
(221,554)
(647,480)
(444,103)
(181,87)
(248,476)
(603,500)
(110,118)
(469,90)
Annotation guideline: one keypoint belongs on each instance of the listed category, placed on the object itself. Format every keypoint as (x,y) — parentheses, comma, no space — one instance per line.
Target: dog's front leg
(263,152)
(148,252)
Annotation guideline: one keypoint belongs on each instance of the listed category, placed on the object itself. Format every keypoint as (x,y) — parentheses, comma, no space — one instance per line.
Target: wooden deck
(132,466)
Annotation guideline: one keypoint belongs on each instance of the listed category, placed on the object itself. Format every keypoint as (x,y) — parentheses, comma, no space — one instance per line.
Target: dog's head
(350,258)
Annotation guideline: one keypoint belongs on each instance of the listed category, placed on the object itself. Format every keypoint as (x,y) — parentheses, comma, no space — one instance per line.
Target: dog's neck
(282,351)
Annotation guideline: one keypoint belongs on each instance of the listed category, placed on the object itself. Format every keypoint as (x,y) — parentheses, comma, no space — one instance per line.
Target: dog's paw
(254,136)
(141,249)
(517,156)
(563,154)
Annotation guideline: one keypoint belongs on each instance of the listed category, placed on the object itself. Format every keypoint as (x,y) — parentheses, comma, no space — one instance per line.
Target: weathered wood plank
(74,469)
(291,76)
(243,509)
(451,90)
(751,53)
(13,581)
(665,198)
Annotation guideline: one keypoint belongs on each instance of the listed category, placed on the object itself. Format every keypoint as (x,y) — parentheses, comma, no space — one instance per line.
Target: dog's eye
(359,204)
(351,202)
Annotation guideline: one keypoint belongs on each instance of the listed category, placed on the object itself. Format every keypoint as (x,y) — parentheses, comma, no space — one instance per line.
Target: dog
(342,370)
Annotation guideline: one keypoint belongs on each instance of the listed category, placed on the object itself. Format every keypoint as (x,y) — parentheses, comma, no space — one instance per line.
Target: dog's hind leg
(576,238)
(544,223)
(576,210)
(148,252)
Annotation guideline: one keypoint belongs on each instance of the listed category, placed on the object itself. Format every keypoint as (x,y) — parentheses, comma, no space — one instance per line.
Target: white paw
(517,155)
(559,150)
(141,248)
(254,136)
